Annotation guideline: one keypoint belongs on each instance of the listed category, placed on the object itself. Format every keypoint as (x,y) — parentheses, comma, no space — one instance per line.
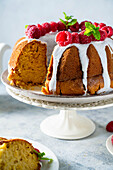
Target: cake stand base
(67,125)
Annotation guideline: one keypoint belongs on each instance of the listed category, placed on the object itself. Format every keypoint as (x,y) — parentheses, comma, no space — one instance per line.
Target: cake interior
(18,155)
(30,65)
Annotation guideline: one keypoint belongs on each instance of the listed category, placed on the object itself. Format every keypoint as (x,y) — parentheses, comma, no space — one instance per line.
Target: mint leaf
(97,35)
(90,26)
(26,26)
(41,156)
(92,29)
(88,32)
(67,17)
(72,22)
(50,160)
(64,22)
(87,24)
(69,21)
(97,28)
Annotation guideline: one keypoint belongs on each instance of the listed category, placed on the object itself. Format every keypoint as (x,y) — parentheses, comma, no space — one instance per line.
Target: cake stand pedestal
(67,124)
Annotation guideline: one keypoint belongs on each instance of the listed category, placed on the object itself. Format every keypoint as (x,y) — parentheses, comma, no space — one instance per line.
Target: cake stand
(67,124)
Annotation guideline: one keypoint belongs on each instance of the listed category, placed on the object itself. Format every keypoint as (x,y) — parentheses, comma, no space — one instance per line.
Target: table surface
(22,120)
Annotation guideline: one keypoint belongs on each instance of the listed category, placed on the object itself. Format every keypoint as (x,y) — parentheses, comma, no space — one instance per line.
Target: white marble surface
(19,119)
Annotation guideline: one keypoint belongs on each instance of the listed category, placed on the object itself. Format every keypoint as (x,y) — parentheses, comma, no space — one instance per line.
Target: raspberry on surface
(112,139)
(54,26)
(84,39)
(75,37)
(63,38)
(82,25)
(47,27)
(42,30)
(61,26)
(75,27)
(109,30)
(109,127)
(34,32)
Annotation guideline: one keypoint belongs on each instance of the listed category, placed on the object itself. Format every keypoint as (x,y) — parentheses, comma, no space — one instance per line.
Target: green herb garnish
(92,29)
(26,26)
(69,21)
(41,156)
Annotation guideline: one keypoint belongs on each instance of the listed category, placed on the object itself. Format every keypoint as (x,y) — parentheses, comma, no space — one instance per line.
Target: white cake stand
(67,124)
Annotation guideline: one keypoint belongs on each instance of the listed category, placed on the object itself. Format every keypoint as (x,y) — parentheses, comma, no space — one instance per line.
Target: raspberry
(61,26)
(101,25)
(47,27)
(109,127)
(112,140)
(93,38)
(27,29)
(34,32)
(75,27)
(84,39)
(54,26)
(82,25)
(42,30)
(96,24)
(109,30)
(103,35)
(75,37)
(64,38)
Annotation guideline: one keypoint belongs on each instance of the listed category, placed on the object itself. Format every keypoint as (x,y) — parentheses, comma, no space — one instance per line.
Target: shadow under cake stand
(67,124)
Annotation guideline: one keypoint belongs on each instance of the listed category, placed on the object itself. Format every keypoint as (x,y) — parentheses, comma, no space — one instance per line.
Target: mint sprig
(69,21)
(26,26)
(92,29)
(41,156)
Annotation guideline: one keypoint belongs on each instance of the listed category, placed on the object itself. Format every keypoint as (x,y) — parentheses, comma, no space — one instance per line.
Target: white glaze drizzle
(111,50)
(100,47)
(102,54)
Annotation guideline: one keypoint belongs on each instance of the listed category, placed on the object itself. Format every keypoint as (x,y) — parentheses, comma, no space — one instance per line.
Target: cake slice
(28,63)
(18,154)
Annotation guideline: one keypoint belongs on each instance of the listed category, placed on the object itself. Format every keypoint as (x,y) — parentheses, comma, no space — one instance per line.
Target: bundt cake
(76,69)
(81,62)
(18,154)
(28,63)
